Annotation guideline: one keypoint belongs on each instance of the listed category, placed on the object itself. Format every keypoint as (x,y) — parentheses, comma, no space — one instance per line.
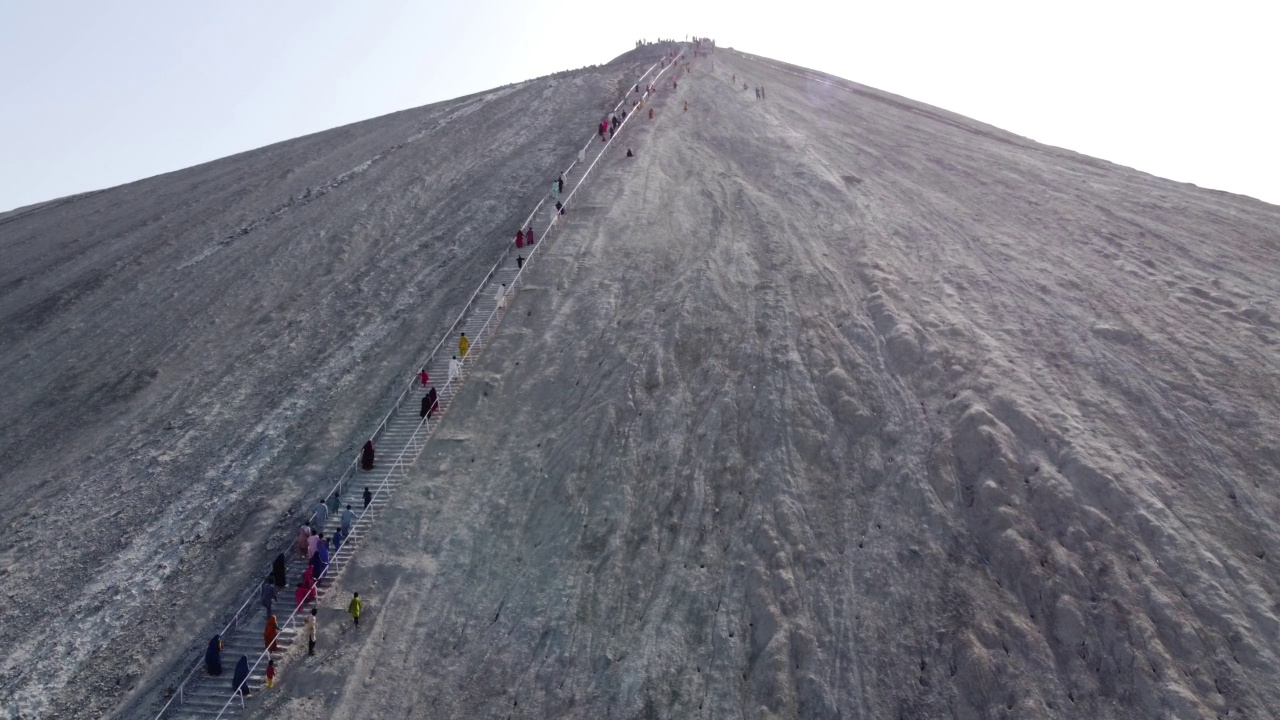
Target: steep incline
(837,405)
(188,358)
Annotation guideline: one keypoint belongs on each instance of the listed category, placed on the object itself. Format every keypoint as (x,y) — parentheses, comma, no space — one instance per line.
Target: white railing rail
(476,344)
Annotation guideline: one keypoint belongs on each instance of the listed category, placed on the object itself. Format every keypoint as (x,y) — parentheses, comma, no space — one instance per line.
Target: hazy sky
(94,94)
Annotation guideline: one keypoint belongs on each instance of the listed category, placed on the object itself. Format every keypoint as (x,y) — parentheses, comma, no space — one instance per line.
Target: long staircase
(206,696)
(398,441)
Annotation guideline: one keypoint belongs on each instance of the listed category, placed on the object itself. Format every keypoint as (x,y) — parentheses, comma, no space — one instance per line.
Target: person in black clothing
(213,656)
(368,497)
(560,180)
(366,455)
(559,208)
(430,403)
(240,680)
(519,261)
(278,571)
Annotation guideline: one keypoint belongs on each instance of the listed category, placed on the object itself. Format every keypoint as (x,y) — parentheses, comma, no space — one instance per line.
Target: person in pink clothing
(424,377)
(313,542)
(309,584)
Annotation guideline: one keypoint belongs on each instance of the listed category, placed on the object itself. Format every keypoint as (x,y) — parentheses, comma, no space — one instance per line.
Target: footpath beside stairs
(398,443)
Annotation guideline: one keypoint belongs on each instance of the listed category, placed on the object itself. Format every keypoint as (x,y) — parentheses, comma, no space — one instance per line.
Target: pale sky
(95,94)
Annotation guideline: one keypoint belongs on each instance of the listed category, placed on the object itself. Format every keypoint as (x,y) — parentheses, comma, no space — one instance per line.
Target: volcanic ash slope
(836,405)
(190,360)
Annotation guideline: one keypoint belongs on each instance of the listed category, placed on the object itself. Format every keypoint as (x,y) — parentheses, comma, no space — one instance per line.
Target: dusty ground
(835,405)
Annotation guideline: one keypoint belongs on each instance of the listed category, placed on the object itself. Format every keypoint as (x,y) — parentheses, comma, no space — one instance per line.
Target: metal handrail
(478,342)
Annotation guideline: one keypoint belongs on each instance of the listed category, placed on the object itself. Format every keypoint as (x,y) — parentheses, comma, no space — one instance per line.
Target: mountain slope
(837,405)
(189,358)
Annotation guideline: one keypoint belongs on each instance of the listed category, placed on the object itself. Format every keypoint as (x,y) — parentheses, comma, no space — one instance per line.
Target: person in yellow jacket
(354,609)
(463,344)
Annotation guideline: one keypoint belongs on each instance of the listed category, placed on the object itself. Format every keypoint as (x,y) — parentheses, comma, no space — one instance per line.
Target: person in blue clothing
(320,561)
(267,593)
(321,518)
(240,681)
